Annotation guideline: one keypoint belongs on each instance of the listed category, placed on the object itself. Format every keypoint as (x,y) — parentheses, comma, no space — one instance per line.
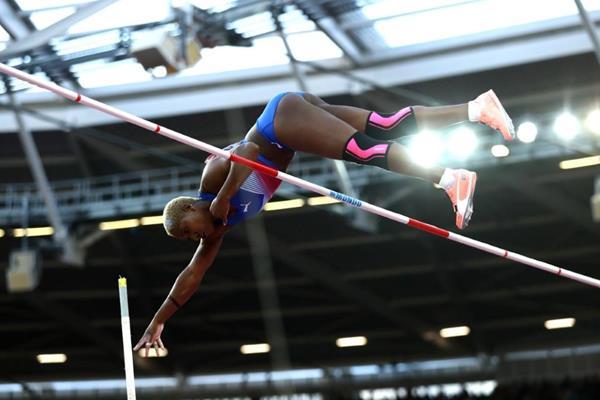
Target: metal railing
(146,192)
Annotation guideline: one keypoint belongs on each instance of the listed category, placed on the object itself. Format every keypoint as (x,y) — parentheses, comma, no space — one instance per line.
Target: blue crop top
(253,194)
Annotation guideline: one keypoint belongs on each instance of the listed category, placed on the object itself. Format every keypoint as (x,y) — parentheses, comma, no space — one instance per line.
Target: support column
(39,174)
(339,167)
(590,27)
(267,291)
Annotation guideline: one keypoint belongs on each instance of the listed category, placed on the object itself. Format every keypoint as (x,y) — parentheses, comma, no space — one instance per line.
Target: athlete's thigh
(354,116)
(305,127)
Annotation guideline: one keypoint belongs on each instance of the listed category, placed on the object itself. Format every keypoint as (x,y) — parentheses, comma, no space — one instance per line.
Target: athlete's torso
(256,190)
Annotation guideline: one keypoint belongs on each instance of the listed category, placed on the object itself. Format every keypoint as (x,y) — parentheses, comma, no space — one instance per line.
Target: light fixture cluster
(158,219)
(427,146)
(463,330)
(351,341)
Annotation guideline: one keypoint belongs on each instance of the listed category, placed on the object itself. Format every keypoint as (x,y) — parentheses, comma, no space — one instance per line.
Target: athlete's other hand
(151,338)
(219,210)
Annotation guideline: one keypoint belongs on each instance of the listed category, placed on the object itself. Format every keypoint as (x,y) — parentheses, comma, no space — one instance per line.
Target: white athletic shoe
(461,193)
(494,115)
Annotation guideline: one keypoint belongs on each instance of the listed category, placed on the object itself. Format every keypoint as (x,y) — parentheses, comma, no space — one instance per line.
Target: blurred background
(313,300)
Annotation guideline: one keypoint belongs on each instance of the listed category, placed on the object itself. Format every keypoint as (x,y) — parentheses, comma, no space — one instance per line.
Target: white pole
(126,331)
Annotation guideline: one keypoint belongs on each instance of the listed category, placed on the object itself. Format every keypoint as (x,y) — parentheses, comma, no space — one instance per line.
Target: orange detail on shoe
(461,195)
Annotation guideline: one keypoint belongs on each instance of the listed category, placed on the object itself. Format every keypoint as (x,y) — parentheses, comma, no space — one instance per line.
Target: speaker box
(24,271)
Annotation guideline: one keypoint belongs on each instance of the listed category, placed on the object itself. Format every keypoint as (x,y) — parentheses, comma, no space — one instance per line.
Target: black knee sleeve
(363,149)
(392,125)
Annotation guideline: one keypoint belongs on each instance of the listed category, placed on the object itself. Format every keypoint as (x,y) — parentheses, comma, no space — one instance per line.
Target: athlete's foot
(493,114)
(460,187)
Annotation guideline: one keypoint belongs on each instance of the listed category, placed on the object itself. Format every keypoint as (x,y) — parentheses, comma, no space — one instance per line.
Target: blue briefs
(265,124)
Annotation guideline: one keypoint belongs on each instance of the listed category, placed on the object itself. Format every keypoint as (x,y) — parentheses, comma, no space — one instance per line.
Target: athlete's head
(188,218)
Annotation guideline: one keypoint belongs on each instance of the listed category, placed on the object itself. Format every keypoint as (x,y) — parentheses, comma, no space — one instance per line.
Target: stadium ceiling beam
(390,68)
(590,28)
(12,22)
(329,26)
(41,38)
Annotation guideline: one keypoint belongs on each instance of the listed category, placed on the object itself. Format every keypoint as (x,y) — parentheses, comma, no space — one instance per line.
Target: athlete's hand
(151,338)
(219,210)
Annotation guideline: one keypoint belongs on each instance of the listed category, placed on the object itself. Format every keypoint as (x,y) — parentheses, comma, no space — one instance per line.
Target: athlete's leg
(305,127)
(486,108)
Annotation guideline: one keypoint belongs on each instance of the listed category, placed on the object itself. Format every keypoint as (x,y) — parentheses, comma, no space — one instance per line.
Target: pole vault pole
(171,134)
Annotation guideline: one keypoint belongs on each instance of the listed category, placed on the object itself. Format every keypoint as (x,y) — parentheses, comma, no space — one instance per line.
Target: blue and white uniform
(253,194)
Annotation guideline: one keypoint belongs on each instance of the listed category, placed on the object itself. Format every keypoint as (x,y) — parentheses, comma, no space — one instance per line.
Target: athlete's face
(196,224)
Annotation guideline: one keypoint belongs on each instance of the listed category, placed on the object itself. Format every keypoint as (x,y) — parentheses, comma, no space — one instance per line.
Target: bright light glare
(462,142)
(500,150)
(159,72)
(51,358)
(592,122)
(580,162)
(31,232)
(284,204)
(153,220)
(352,341)
(559,323)
(426,148)
(566,126)
(255,348)
(527,132)
(2,233)
(455,331)
(120,224)
(321,200)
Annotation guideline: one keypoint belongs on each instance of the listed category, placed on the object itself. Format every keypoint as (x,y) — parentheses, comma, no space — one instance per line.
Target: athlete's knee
(392,125)
(314,100)
(363,149)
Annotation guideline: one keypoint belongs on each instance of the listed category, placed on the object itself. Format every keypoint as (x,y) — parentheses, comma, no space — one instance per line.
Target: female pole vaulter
(296,121)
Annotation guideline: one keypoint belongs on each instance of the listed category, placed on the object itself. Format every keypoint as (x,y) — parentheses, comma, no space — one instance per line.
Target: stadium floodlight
(119,224)
(57,358)
(255,348)
(462,142)
(455,331)
(426,148)
(566,126)
(284,204)
(592,122)
(352,341)
(500,150)
(560,323)
(527,132)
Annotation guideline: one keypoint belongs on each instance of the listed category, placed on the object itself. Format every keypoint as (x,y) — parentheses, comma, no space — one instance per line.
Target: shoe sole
(469,209)
(469,212)
(507,119)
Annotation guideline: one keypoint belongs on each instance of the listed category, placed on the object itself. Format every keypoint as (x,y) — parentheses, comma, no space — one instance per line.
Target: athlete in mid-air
(293,121)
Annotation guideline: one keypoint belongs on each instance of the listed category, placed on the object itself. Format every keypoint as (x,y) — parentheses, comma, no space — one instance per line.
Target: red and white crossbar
(151,126)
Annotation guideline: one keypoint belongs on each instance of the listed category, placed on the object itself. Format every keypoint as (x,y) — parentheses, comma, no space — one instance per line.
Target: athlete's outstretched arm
(184,287)
(236,176)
